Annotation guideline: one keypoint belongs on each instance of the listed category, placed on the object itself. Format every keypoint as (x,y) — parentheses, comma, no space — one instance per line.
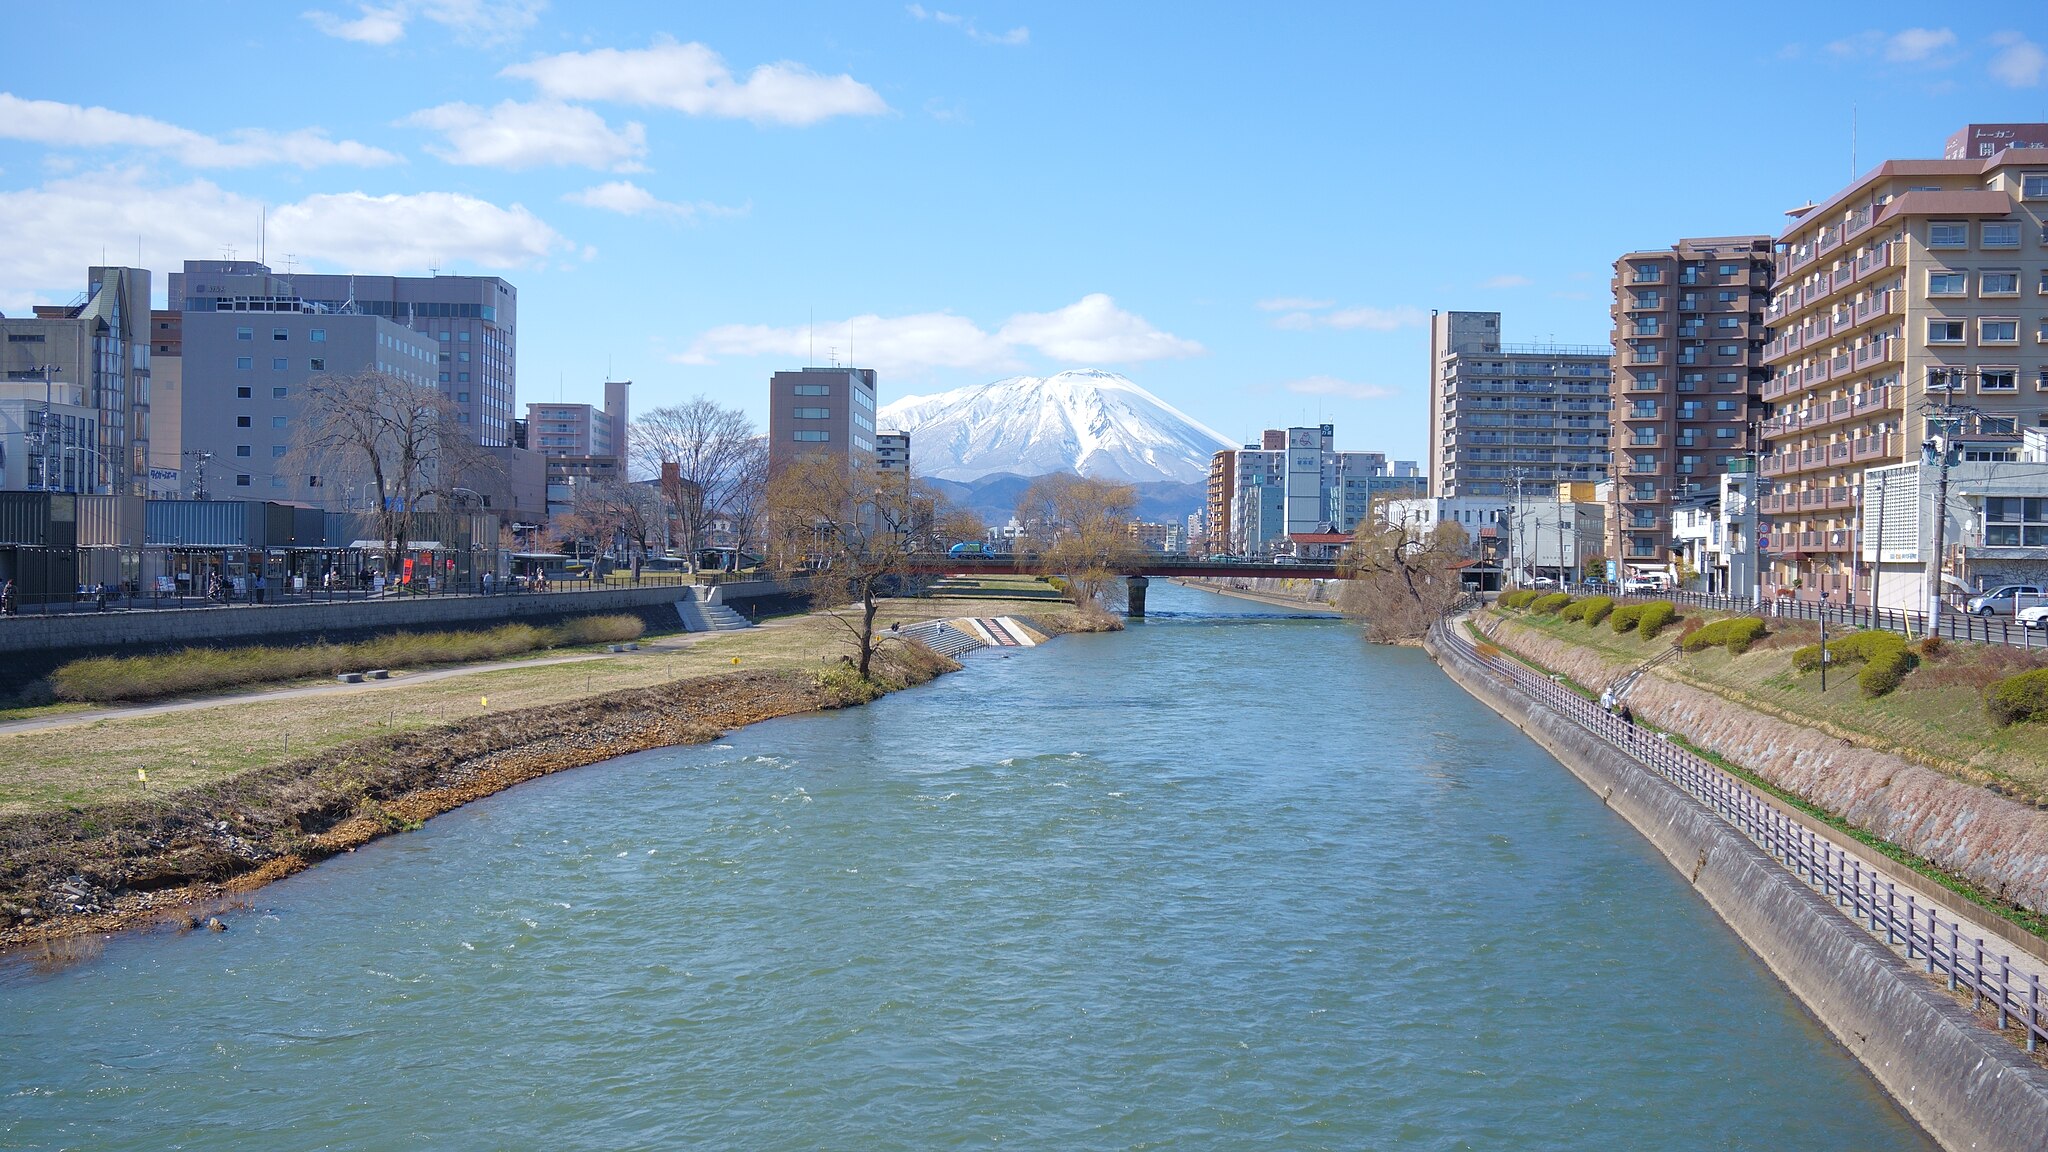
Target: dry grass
(96,762)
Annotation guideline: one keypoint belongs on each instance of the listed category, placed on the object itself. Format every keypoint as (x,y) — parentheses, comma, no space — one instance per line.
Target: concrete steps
(707,615)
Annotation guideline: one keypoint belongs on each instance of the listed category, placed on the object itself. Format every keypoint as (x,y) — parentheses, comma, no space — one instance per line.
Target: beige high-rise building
(1919,289)
(1688,378)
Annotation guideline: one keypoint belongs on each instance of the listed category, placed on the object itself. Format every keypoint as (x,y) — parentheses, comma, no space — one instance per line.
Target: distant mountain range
(994,497)
(1096,423)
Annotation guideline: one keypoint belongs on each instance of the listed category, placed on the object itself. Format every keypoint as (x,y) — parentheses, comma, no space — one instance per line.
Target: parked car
(2001,601)
(1543,582)
(1285,559)
(1643,585)
(2035,617)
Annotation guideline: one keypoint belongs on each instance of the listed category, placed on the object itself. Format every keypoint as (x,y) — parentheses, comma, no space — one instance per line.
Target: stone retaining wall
(1967,1086)
(2001,845)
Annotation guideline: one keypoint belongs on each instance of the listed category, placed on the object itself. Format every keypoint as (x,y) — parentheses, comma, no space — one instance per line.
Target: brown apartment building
(1688,377)
(821,410)
(1920,288)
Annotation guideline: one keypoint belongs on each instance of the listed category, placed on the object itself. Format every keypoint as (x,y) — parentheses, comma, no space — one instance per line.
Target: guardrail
(1857,890)
(1955,623)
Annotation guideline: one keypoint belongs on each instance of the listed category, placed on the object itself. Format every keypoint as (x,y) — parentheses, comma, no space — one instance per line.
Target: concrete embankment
(1998,844)
(1966,1085)
(1308,595)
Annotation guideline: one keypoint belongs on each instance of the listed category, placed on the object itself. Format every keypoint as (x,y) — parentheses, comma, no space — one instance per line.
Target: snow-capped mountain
(1096,423)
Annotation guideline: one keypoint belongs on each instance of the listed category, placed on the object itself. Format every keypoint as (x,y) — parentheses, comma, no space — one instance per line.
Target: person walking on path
(1628,719)
(7,604)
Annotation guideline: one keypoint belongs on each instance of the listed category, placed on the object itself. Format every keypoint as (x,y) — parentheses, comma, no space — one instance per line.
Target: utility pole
(1877,564)
(1937,450)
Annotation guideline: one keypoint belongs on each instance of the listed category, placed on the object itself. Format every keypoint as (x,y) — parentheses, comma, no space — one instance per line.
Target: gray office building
(100,345)
(815,410)
(473,320)
(243,399)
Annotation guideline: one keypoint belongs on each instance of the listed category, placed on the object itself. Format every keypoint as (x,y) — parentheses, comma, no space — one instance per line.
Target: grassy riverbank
(251,790)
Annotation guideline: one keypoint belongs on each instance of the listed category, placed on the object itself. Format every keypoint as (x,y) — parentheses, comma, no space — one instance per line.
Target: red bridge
(1130,564)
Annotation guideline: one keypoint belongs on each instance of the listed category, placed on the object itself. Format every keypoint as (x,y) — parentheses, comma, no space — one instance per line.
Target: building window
(241,450)
(1729,322)
(241,421)
(2015,522)
(242,393)
(463,357)
(1998,330)
(1724,405)
(279,393)
(2034,185)
(1944,331)
(317,335)
(1998,380)
(280,334)
(317,363)
(462,338)
(245,333)
(812,436)
(814,389)
(463,377)
(1728,350)
(25,337)
(462,397)
(2001,234)
(278,421)
(241,481)
(245,363)
(1948,234)
(2002,283)
(813,413)
(444,377)
(1948,283)
(279,364)
(276,451)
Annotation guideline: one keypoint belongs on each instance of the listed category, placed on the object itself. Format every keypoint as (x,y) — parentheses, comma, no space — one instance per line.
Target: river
(1225,879)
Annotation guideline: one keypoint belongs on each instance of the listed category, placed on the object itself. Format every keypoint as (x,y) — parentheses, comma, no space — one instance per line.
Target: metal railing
(1955,623)
(1858,890)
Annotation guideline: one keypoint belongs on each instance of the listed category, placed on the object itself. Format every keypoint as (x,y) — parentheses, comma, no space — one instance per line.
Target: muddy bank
(1998,844)
(125,865)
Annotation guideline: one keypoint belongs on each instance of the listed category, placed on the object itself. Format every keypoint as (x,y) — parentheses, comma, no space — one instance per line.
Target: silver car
(2001,601)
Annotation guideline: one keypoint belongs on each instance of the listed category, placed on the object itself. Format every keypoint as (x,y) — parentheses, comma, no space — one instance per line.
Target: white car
(2035,617)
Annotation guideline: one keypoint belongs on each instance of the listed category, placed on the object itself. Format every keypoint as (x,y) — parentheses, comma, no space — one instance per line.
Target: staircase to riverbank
(707,615)
(941,637)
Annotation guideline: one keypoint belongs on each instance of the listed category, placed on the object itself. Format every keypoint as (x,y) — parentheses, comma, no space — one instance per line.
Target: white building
(59,462)
(1996,528)
(1548,537)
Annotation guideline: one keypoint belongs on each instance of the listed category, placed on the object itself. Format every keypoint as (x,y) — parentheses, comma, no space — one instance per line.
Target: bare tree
(401,436)
(746,504)
(1401,584)
(706,445)
(1080,529)
(849,531)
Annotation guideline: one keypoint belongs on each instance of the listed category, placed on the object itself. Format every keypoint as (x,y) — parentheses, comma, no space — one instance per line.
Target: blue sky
(1250,210)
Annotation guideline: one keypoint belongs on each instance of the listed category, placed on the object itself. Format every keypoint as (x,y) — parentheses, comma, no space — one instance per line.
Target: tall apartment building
(473,320)
(242,400)
(101,345)
(892,453)
(1502,412)
(579,443)
(166,404)
(1221,495)
(1301,486)
(1688,372)
(1919,290)
(814,410)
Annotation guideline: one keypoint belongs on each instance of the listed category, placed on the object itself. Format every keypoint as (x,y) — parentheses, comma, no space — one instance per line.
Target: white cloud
(474,21)
(692,79)
(1508,280)
(76,126)
(1015,38)
(519,135)
(629,199)
(2019,62)
(1367,317)
(1292,304)
(1094,330)
(49,234)
(1930,46)
(1332,386)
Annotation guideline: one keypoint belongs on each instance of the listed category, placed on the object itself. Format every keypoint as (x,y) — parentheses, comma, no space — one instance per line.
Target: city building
(1996,529)
(892,452)
(821,410)
(580,444)
(1980,141)
(1552,533)
(1157,537)
(1905,300)
(1713,534)
(1222,493)
(1502,411)
(243,379)
(1297,483)
(101,345)
(48,435)
(472,319)
(1688,377)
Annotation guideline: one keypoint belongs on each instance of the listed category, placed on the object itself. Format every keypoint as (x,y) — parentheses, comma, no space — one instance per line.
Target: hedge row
(1884,656)
(1735,634)
(1597,608)
(1520,598)
(1648,619)
(2018,698)
(1551,603)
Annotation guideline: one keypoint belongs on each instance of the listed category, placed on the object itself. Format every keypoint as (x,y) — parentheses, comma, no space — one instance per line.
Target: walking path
(1864,886)
(399,678)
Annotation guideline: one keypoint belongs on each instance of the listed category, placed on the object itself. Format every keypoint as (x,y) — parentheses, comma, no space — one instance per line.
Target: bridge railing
(1924,930)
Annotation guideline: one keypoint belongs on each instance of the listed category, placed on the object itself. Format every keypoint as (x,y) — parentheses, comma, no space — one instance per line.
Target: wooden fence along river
(1905,922)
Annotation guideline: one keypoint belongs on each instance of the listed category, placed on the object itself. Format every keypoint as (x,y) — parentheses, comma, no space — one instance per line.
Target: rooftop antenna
(290,262)
(348,307)
(262,233)
(433,268)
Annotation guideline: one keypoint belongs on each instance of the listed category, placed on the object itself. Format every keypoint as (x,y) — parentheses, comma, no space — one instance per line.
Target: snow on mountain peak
(1082,420)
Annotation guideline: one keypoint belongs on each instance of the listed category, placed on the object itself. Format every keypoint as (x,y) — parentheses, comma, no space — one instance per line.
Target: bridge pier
(1134,596)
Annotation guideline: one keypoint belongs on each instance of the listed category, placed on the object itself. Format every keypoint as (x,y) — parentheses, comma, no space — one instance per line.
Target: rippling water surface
(1212,883)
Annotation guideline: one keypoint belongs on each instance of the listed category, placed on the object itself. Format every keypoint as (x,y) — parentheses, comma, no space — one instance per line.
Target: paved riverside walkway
(399,679)
(1914,918)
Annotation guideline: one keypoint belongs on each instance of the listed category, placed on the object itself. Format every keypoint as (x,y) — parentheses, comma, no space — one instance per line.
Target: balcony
(1874,399)
(1649,356)
(1879,447)
(1873,260)
(1857,224)
(1877,352)
(1647,276)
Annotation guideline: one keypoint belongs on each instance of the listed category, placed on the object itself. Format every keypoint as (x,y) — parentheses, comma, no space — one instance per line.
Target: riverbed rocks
(119,865)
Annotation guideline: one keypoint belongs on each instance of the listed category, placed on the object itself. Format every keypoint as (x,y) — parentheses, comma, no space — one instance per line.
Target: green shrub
(1519,598)
(1545,605)
(2018,698)
(1624,617)
(1735,634)
(1597,608)
(1884,655)
(1576,610)
(1654,617)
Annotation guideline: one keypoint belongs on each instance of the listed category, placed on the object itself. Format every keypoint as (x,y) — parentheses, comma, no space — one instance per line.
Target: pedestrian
(1628,718)
(490,582)
(99,596)
(7,606)
(259,588)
